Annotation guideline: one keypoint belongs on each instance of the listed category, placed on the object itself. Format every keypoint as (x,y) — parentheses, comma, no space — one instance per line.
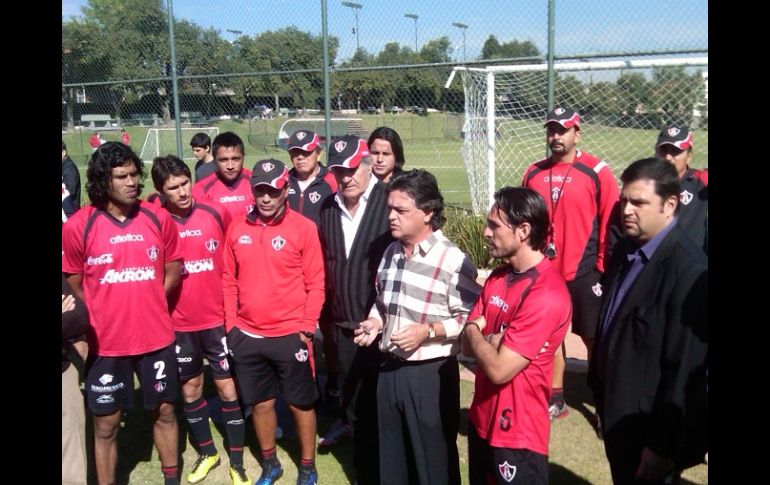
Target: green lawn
(576,454)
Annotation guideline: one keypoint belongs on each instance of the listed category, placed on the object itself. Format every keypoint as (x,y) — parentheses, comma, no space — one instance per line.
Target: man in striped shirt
(426,286)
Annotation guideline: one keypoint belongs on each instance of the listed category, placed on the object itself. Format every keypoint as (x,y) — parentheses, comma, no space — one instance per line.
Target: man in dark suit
(648,372)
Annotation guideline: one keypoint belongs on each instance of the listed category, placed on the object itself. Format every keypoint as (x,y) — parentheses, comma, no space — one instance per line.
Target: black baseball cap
(564,116)
(677,135)
(305,140)
(347,151)
(270,172)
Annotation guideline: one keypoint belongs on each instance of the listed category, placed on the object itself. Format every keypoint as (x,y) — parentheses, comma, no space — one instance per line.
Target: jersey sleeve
(172,246)
(609,196)
(72,246)
(230,279)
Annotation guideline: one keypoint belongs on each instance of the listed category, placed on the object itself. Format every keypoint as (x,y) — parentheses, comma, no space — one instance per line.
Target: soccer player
(426,286)
(273,285)
(198,315)
(580,193)
(387,152)
(229,184)
(204,160)
(122,256)
(675,145)
(517,325)
(309,181)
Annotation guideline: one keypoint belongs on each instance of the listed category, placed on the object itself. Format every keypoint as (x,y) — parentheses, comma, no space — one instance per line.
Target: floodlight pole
(463,27)
(356,7)
(414,17)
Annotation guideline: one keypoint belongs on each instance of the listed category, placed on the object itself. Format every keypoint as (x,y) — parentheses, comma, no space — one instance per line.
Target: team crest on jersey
(152,253)
(249,209)
(597,289)
(314,197)
(673,131)
(301,135)
(211,245)
(267,166)
(224,364)
(685,197)
(301,355)
(160,386)
(340,145)
(278,243)
(507,471)
(555,192)
(106,379)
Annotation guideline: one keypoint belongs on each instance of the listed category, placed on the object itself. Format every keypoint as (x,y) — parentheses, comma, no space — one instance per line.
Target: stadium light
(463,27)
(356,7)
(414,17)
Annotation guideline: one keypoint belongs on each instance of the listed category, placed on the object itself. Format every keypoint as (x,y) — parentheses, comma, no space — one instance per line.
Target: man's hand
(367,332)
(652,466)
(410,338)
(67,303)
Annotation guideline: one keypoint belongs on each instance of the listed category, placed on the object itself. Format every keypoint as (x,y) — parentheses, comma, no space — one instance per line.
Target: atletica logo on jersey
(685,197)
(211,245)
(507,471)
(124,238)
(198,266)
(498,302)
(190,233)
(231,198)
(128,275)
(152,253)
(105,258)
(301,355)
(278,243)
(105,399)
(244,239)
(314,197)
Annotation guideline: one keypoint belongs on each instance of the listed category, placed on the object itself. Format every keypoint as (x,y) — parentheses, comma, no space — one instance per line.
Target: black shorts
(263,366)
(110,381)
(192,347)
(503,465)
(586,294)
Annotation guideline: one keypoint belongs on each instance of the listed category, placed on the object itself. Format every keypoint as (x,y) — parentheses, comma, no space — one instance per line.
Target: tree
(514,49)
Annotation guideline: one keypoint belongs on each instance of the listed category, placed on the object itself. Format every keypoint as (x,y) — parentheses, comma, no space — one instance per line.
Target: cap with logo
(305,140)
(677,135)
(270,172)
(347,151)
(564,116)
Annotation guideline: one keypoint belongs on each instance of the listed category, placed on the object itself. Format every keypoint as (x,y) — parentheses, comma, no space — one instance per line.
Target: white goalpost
(505,107)
(162,141)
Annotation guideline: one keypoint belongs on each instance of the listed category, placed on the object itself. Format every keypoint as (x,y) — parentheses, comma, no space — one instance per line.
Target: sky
(582,26)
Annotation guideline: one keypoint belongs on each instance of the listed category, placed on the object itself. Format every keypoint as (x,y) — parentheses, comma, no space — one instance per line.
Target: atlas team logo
(301,135)
(160,386)
(314,197)
(340,145)
(301,355)
(597,289)
(211,245)
(673,131)
(267,166)
(278,243)
(152,253)
(555,192)
(507,471)
(559,112)
(685,197)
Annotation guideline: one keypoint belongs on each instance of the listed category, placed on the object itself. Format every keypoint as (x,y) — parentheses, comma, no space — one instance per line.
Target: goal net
(162,141)
(623,105)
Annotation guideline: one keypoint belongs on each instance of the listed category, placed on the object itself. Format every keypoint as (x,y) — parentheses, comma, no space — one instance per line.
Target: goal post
(623,105)
(162,141)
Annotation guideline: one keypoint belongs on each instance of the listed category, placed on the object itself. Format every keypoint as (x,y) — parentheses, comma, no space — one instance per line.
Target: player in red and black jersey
(229,185)
(675,145)
(198,315)
(122,256)
(309,181)
(513,332)
(580,192)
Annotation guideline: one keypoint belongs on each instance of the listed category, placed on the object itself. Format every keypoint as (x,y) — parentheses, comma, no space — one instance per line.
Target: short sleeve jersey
(123,269)
(533,309)
(196,304)
(236,198)
(580,197)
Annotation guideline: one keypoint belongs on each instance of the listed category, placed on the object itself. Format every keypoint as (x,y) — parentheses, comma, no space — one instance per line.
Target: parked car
(395,109)
(371,110)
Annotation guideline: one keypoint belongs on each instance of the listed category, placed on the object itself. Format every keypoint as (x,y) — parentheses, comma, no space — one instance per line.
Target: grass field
(431,142)
(576,454)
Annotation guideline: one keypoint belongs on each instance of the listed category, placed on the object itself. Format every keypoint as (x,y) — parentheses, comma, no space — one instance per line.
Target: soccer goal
(162,141)
(623,105)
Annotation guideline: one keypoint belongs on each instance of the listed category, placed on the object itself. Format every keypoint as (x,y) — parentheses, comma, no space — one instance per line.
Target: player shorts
(110,381)
(192,347)
(489,464)
(265,365)
(586,294)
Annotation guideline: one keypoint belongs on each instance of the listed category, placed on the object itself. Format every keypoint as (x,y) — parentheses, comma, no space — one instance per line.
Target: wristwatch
(307,334)
(431,331)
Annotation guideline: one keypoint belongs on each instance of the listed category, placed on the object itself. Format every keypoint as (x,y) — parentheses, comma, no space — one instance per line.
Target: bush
(467,232)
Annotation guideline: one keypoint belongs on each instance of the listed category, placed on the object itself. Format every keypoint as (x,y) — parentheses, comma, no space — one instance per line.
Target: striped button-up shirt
(436,284)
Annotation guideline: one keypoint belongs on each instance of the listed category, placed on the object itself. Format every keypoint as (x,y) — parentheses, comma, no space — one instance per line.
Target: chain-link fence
(256,68)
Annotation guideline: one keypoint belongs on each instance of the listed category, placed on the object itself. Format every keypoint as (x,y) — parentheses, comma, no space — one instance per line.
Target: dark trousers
(419,415)
(359,370)
(623,444)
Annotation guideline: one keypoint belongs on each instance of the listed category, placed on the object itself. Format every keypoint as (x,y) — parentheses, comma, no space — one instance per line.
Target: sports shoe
(203,465)
(596,423)
(338,431)
(270,473)
(238,475)
(555,411)
(307,476)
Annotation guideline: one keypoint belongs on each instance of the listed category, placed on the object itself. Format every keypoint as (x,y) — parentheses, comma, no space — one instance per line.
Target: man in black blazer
(648,372)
